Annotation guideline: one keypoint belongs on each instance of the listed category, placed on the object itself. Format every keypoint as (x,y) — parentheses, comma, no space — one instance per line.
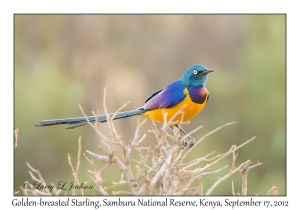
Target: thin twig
(16,137)
(92,125)
(202,174)
(232,188)
(198,160)
(39,179)
(78,155)
(104,158)
(98,181)
(87,158)
(113,117)
(273,190)
(74,173)
(231,172)
(166,163)
(244,171)
(198,142)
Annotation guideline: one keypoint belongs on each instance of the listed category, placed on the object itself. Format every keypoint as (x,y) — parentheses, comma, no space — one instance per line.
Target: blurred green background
(65,60)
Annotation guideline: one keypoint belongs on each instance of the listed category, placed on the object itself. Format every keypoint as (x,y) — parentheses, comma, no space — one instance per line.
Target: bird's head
(196,75)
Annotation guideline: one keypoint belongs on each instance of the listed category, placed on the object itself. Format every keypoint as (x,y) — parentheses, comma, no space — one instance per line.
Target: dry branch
(167,173)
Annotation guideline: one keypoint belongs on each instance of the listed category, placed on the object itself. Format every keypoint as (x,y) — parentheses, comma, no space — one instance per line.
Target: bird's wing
(153,94)
(166,98)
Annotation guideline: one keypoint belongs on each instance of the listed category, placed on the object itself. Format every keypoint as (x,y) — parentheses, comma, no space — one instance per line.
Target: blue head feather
(196,75)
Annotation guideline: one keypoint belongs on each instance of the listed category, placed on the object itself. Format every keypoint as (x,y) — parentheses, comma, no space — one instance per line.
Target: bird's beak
(208,71)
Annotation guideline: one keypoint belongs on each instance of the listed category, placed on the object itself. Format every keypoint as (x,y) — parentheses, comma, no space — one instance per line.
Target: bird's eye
(195,71)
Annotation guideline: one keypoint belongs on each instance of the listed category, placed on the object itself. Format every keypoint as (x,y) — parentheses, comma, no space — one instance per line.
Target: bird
(188,94)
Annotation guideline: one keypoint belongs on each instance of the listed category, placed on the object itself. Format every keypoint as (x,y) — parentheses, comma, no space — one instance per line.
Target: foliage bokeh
(65,60)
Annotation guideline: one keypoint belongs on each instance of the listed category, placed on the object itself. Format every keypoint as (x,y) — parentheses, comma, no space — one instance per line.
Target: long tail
(81,121)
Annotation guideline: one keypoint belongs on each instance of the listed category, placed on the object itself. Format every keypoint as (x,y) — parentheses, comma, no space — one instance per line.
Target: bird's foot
(186,141)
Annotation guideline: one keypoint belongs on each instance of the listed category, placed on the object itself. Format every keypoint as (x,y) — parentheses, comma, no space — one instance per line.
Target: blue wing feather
(153,94)
(166,98)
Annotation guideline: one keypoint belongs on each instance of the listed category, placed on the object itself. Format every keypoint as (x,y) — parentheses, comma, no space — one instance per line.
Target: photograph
(149,105)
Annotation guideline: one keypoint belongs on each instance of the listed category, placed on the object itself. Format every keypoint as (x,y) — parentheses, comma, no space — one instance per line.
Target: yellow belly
(188,107)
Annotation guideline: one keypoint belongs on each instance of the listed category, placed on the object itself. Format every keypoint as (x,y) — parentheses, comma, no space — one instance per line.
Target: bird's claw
(186,140)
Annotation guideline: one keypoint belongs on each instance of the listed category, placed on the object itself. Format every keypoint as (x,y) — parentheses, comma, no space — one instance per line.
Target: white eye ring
(195,71)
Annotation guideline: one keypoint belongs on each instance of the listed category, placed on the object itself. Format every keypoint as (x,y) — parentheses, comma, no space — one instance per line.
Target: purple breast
(198,94)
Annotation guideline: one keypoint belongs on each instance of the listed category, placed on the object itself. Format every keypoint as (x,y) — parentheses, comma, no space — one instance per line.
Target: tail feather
(81,121)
